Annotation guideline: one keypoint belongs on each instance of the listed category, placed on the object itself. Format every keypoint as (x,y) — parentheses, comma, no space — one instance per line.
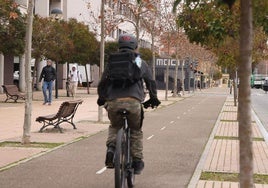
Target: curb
(261,127)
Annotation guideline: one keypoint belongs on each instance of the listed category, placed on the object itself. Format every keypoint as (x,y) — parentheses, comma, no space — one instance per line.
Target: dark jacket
(48,73)
(107,92)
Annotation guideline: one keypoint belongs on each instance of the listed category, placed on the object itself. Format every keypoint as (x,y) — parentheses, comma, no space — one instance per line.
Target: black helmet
(127,41)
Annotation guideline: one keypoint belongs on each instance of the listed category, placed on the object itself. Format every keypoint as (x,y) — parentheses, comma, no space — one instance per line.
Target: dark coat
(48,73)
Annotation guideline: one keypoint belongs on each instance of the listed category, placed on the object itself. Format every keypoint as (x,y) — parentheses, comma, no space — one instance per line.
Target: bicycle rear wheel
(120,160)
(130,178)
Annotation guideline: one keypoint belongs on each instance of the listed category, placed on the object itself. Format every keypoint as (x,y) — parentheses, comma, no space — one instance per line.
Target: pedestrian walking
(49,75)
(75,78)
(118,94)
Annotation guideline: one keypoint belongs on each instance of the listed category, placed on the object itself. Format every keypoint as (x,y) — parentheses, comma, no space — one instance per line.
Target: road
(260,105)
(174,139)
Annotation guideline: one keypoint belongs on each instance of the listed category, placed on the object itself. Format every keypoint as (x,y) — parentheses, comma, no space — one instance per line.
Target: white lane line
(172,122)
(162,128)
(101,170)
(150,137)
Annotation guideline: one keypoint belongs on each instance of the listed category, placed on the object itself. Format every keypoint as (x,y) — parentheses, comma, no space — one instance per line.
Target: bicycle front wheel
(120,160)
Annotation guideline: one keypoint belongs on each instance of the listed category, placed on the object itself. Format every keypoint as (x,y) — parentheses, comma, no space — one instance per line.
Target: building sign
(161,62)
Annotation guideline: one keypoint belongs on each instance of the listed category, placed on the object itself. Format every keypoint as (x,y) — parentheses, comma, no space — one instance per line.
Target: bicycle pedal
(110,166)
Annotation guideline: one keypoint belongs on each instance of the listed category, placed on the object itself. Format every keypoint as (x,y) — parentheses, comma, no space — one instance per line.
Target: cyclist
(128,98)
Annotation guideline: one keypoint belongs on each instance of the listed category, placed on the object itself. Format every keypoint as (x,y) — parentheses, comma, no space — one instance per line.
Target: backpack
(123,70)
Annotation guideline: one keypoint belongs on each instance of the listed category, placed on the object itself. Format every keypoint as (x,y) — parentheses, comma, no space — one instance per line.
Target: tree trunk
(244,101)
(235,88)
(36,73)
(182,76)
(28,55)
(153,50)
(39,68)
(100,110)
(175,88)
(1,72)
(167,81)
(87,79)
(22,74)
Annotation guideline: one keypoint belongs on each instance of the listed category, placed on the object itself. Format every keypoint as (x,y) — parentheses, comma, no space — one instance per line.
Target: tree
(28,101)
(147,55)
(102,46)
(12,34)
(12,28)
(208,24)
(40,43)
(244,98)
(84,42)
(133,12)
(61,47)
(152,23)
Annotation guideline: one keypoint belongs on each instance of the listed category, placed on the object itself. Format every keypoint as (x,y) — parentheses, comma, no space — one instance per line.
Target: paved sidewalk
(12,118)
(221,156)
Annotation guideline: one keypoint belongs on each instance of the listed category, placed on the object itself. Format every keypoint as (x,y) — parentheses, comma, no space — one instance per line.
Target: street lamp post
(56,14)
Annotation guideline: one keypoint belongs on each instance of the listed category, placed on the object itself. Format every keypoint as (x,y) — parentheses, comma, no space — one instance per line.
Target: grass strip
(236,138)
(232,177)
(219,176)
(228,120)
(31,145)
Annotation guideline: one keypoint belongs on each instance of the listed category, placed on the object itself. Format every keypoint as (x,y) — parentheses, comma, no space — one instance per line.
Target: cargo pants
(135,117)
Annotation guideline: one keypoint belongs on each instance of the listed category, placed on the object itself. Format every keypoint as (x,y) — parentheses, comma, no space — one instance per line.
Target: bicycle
(122,159)
(124,172)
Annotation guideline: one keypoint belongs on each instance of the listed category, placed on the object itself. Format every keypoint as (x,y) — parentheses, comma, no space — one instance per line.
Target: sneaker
(109,161)
(44,103)
(138,166)
(49,103)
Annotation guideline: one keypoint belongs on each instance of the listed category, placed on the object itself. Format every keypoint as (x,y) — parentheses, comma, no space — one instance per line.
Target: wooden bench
(12,92)
(65,113)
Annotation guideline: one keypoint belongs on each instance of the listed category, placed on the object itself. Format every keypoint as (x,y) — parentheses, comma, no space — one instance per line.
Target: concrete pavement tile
(9,155)
(216,184)
(224,157)
(230,129)
(228,116)
(222,184)
(51,135)
(229,108)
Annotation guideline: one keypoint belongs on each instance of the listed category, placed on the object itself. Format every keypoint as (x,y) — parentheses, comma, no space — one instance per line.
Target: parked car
(16,77)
